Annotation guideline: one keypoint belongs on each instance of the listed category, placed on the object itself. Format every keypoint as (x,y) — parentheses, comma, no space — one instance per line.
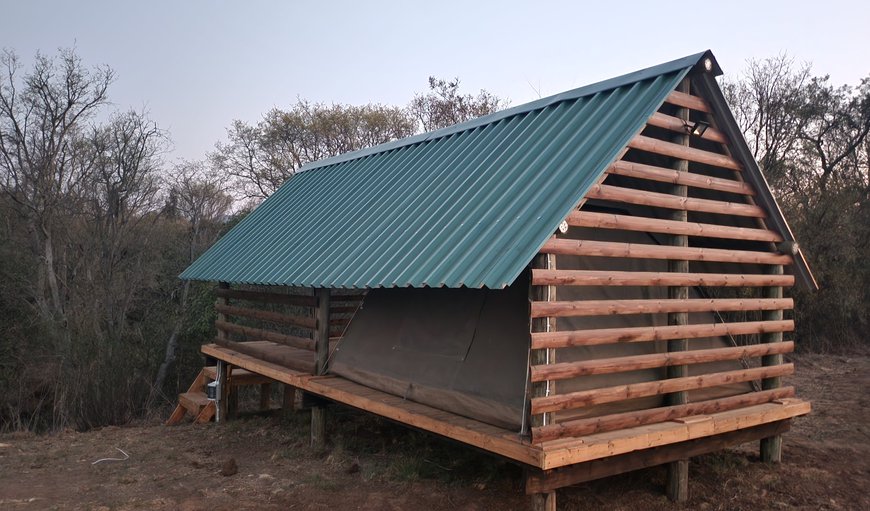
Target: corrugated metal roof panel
(469,205)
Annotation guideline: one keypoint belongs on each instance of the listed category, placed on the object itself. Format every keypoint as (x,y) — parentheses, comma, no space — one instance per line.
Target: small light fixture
(697,129)
(563,227)
(708,64)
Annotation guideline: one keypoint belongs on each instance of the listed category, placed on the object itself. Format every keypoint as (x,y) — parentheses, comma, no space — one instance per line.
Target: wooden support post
(321,347)
(678,471)
(539,357)
(221,397)
(678,481)
(771,447)
(222,405)
(265,396)
(232,396)
(542,500)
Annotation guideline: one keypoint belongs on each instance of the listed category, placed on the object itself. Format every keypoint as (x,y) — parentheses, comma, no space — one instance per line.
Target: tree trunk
(171,344)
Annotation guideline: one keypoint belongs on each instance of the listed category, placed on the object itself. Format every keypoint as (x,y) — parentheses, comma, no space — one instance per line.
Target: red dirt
(375,465)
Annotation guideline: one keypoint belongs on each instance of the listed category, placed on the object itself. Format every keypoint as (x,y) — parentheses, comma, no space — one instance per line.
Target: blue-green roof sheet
(469,205)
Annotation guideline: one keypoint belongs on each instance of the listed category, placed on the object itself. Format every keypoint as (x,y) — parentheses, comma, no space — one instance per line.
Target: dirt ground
(373,465)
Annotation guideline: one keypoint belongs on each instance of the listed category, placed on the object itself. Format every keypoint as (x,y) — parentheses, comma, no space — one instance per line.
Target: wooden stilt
(221,401)
(678,471)
(544,501)
(678,481)
(265,396)
(232,396)
(771,447)
(321,341)
(289,403)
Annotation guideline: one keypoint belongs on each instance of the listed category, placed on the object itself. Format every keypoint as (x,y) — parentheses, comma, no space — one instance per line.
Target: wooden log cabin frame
(673,220)
(705,196)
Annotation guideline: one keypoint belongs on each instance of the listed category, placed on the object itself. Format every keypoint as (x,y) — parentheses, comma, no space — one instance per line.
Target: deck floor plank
(547,455)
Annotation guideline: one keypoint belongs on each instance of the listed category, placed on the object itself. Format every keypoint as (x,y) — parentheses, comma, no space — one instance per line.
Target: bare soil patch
(372,464)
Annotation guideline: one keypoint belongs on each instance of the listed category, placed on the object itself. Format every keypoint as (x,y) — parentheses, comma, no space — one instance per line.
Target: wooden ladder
(195,403)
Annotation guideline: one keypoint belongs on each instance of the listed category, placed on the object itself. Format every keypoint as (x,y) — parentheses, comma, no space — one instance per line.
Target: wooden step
(194,402)
(238,376)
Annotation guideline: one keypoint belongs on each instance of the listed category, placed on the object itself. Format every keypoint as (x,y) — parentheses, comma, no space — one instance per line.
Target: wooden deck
(548,455)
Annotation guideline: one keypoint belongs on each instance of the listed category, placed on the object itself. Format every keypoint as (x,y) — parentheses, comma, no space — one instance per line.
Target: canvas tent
(597,262)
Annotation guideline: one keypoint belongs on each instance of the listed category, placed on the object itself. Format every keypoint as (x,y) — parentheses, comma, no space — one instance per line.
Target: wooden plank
(193,401)
(673,227)
(289,360)
(655,306)
(256,365)
(627,420)
(543,481)
(645,251)
(596,337)
(663,175)
(274,317)
(500,441)
(565,370)
(688,101)
(678,125)
(266,297)
(663,200)
(465,430)
(645,437)
(253,334)
(654,145)
(483,436)
(580,399)
(240,377)
(655,278)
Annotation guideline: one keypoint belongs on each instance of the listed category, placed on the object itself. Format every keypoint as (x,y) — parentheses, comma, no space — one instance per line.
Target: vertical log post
(321,347)
(265,396)
(221,405)
(771,447)
(289,401)
(678,471)
(221,397)
(543,501)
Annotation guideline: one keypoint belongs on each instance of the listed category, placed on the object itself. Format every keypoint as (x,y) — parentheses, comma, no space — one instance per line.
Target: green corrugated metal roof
(468,205)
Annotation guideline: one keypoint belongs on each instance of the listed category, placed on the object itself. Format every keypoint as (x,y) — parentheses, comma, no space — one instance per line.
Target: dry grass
(374,464)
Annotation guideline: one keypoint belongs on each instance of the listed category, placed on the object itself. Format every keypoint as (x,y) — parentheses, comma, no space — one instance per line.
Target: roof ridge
(538,104)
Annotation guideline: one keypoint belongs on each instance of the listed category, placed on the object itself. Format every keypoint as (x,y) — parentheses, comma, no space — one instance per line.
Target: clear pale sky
(197,65)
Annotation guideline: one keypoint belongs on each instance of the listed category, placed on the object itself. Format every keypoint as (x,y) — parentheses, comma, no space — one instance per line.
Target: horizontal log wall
(638,182)
(277,317)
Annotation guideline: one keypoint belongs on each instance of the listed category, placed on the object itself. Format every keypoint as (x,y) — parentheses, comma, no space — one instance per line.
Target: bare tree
(445,106)
(262,157)
(118,216)
(198,197)
(769,100)
(41,113)
(811,140)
